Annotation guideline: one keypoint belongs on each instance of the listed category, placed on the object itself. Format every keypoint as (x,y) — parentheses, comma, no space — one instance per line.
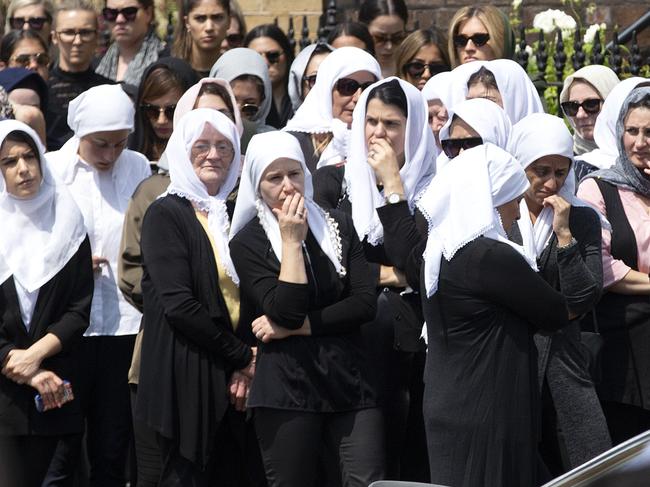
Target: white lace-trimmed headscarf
(41,234)
(186,184)
(297,72)
(462,205)
(263,150)
(418,169)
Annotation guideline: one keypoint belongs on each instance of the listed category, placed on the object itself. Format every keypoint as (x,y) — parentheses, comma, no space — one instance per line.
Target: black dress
(481,397)
(189,347)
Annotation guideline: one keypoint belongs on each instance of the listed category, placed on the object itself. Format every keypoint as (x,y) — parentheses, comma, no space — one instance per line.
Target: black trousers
(147,449)
(105,398)
(24,460)
(292,442)
(625,421)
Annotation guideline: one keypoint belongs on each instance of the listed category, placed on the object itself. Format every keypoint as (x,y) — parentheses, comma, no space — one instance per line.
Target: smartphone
(67,397)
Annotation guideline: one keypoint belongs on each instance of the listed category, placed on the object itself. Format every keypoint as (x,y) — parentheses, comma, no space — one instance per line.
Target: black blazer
(62,308)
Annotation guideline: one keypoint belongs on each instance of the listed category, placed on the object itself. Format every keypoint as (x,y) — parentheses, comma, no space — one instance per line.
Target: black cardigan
(63,309)
(189,347)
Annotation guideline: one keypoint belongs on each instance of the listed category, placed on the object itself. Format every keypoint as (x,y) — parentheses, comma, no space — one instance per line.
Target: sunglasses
(111,14)
(272,56)
(235,40)
(479,40)
(348,86)
(309,80)
(416,68)
(24,60)
(35,23)
(249,110)
(154,111)
(395,39)
(590,105)
(452,147)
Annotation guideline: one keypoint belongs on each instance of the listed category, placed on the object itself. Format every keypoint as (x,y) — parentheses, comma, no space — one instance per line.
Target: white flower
(516,4)
(590,34)
(552,19)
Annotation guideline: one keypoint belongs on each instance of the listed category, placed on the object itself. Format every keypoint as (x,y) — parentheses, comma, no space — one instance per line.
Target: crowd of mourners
(223,265)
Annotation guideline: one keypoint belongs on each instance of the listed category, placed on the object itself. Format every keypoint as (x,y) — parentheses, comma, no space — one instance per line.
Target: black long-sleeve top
(63,309)
(324,372)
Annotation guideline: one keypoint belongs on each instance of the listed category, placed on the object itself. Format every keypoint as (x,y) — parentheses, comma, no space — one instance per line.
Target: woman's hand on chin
(292,219)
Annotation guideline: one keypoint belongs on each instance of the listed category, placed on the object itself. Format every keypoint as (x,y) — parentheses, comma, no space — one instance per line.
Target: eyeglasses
(202,149)
(479,39)
(35,23)
(590,105)
(309,80)
(24,60)
(348,86)
(249,110)
(395,39)
(129,13)
(69,35)
(272,57)
(154,111)
(452,147)
(416,68)
(235,40)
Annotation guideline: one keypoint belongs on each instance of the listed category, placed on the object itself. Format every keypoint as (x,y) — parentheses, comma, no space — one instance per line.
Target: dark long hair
(182,46)
(371,9)
(353,29)
(275,33)
(11,40)
(390,93)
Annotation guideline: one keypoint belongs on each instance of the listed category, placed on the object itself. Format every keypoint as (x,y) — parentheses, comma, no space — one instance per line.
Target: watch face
(393,198)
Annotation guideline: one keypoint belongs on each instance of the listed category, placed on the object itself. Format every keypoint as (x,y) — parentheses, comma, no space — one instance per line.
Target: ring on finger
(299,214)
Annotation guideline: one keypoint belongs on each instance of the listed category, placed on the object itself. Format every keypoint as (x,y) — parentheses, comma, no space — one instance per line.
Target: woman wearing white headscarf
(322,122)
(437,93)
(563,234)
(482,304)
(390,161)
(622,194)
(190,348)
(304,68)
(46,288)
(101,175)
(306,282)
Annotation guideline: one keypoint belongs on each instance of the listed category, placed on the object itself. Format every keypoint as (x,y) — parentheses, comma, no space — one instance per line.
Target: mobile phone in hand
(67,397)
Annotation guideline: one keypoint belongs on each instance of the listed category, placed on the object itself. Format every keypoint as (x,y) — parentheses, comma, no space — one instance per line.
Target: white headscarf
(41,234)
(417,171)
(315,114)
(186,184)
(440,88)
(461,205)
(262,151)
(605,129)
(297,71)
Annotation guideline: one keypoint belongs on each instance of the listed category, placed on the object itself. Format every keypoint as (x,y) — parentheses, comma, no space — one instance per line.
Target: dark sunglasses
(272,56)
(590,105)
(479,40)
(394,39)
(235,40)
(309,80)
(249,110)
(153,111)
(348,86)
(452,147)
(416,68)
(35,23)
(111,14)
(41,58)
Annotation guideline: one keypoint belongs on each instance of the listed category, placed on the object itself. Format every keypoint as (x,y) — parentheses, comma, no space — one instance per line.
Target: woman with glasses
(322,122)
(25,49)
(482,302)
(302,75)
(135,44)
(35,15)
(272,44)
(480,33)
(236,30)
(422,55)
(386,21)
(305,291)
(562,233)
(190,348)
(200,30)
(351,34)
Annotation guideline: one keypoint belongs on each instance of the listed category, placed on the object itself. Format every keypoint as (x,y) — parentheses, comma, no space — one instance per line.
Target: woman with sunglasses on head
(135,44)
(386,21)
(482,302)
(305,290)
(562,233)
(622,194)
(35,15)
(390,160)
(236,30)
(302,75)
(200,30)
(271,43)
(422,55)
(480,33)
(322,122)
(25,49)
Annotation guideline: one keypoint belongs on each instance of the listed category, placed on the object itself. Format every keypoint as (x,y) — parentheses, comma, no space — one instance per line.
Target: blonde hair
(68,5)
(17,4)
(493,20)
(414,42)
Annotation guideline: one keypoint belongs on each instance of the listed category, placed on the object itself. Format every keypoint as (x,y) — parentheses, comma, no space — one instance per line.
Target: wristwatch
(394,198)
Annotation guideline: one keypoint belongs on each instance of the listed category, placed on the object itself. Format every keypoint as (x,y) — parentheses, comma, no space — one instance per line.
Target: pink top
(637,214)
